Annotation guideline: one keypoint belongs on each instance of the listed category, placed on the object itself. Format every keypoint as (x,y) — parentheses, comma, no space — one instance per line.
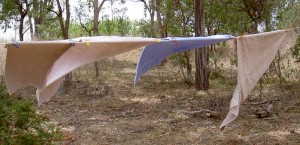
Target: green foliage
(107,27)
(141,28)
(77,31)
(288,15)
(123,26)
(226,17)
(19,123)
(296,50)
(49,31)
(8,13)
(118,26)
(178,17)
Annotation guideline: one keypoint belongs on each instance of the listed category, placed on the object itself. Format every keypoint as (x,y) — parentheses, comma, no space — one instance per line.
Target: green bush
(296,50)
(20,124)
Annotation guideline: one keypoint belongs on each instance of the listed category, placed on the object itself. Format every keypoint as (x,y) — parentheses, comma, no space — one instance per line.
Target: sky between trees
(135,11)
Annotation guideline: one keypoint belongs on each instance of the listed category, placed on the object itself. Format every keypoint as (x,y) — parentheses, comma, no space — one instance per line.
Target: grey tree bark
(201,54)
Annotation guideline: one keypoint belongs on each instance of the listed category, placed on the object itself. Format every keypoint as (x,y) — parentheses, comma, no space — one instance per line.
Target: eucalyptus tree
(63,7)
(97,6)
(91,26)
(15,11)
(178,21)
(149,7)
(83,14)
(258,11)
(159,19)
(64,21)
(201,54)
(43,20)
(122,22)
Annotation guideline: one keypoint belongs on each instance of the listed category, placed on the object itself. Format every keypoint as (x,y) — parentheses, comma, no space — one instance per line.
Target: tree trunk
(64,25)
(201,54)
(68,79)
(65,31)
(40,9)
(254,26)
(96,69)
(150,8)
(159,21)
(21,36)
(96,30)
(96,17)
(31,27)
(188,68)
(97,9)
(23,13)
(67,22)
(152,30)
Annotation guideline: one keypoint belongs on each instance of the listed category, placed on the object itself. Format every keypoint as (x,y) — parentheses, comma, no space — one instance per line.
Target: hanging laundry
(255,53)
(43,64)
(153,54)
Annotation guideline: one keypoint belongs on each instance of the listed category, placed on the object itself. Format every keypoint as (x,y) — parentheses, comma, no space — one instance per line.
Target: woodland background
(172,103)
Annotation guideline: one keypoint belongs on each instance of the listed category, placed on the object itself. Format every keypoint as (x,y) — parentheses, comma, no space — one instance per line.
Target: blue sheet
(153,54)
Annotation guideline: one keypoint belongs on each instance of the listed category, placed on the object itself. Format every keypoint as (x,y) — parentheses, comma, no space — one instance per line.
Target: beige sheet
(44,64)
(255,54)
(2,62)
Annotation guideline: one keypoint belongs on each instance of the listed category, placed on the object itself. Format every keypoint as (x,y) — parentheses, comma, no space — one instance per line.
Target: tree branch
(147,7)
(54,12)
(25,31)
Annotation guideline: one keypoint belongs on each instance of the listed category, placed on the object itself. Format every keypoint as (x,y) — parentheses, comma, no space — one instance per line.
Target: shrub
(296,50)
(20,124)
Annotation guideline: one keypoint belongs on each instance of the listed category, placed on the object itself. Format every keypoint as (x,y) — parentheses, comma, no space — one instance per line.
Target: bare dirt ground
(162,110)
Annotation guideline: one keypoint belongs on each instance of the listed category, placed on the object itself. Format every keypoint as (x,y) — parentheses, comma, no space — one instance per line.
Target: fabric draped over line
(153,54)
(255,53)
(43,64)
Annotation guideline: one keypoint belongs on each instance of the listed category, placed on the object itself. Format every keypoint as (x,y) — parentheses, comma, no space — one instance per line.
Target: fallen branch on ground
(198,111)
(259,103)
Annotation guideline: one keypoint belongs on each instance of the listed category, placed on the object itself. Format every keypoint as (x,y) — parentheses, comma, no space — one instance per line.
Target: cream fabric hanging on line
(255,54)
(43,64)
